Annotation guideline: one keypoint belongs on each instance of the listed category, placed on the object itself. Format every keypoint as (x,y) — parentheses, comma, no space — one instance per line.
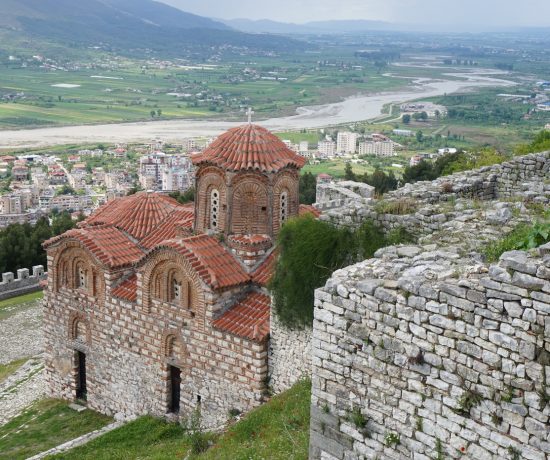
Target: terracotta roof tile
(262,275)
(167,230)
(214,263)
(309,209)
(248,318)
(127,290)
(108,244)
(249,147)
(138,214)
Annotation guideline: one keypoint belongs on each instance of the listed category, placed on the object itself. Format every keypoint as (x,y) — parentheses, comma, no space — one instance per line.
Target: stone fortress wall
(427,352)
(24,283)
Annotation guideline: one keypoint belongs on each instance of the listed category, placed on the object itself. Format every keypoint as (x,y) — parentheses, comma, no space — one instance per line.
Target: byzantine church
(154,307)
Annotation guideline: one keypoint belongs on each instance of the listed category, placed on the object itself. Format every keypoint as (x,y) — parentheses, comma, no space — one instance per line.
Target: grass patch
(21,299)
(44,425)
(398,207)
(146,437)
(276,430)
(7,369)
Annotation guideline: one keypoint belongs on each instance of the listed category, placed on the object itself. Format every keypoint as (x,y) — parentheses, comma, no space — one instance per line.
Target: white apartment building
(11,204)
(176,179)
(327,148)
(346,142)
(381,149)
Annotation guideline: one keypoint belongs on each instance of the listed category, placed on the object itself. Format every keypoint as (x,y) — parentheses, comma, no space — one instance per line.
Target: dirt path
(21,337)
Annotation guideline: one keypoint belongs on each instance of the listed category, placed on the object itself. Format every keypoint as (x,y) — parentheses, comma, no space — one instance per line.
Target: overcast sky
(493,13)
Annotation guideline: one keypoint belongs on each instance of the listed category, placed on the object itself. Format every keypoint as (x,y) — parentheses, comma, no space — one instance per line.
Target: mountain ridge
(127,25)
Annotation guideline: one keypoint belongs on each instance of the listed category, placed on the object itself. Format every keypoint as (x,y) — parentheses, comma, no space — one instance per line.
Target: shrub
(196,436)
(468,401)
(523,237)
(392,439)
(447,187)
(356,417)
(309,252)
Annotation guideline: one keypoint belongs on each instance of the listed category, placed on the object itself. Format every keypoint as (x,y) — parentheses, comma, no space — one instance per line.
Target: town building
(403,132)
(161,308)
(12,204)
(346,142)
(326,148)
(379,148)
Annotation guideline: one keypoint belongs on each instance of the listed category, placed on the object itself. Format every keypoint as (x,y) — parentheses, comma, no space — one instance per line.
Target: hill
(125,25)
(314,27)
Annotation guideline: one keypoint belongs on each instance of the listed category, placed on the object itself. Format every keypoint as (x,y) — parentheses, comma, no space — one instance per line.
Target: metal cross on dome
(249,112)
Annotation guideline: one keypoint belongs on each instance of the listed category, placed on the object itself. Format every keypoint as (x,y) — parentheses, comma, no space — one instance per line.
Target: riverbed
(353,109)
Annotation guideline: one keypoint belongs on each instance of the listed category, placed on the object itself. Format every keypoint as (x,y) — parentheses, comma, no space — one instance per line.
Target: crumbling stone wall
(427,352)
(432,203)
(457,367)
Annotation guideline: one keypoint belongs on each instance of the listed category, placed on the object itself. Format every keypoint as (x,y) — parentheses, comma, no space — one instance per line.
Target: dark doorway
(175,383)
(81,376)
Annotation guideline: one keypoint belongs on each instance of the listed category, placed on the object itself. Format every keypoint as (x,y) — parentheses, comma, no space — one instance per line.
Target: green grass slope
(44,425)
(277,430)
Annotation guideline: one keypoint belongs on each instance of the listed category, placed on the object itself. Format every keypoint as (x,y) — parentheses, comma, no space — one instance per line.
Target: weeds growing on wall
(310,251)
(523,237)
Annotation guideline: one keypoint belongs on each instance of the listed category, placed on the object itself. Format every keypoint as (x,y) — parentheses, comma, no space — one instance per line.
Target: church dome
(249,147)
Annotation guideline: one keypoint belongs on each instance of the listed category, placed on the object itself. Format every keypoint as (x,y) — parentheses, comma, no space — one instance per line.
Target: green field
(130,92)
(44,425)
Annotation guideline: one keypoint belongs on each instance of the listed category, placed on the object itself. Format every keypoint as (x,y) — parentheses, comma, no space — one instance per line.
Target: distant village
(78,183)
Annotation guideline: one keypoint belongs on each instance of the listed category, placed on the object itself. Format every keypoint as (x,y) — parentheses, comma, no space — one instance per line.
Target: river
(353,109)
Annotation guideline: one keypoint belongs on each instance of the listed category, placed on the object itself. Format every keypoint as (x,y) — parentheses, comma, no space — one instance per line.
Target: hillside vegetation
(278,430)
(126,25)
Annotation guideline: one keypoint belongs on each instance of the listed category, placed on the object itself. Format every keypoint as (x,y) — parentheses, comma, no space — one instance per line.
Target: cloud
(492,13)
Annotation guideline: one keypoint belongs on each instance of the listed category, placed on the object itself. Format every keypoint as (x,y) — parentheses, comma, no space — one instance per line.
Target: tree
(153,114)
(308,188)
(406,118)
(419,136)
(348,173)
(159,112)
(381,181)
(186,197)
(62,223)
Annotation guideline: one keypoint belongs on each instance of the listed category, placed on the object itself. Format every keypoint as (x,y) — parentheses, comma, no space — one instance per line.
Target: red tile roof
(168,229)
(248,318)
(249,147)
(308,209)
(214,263)
(137,215)
(127,290)
(262,275)
(108,244)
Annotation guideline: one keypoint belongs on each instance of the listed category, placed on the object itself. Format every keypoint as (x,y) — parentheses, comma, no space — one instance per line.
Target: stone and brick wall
(289,355)
(24,283)
(130,346)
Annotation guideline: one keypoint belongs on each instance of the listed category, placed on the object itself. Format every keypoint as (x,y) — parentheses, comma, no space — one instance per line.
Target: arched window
(81,277)
(176,290)
(283,208)
(214,208)
(189,296)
